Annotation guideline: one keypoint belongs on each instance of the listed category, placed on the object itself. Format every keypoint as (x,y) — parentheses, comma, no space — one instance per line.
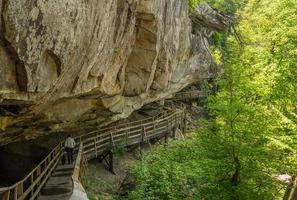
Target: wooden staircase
(52,180)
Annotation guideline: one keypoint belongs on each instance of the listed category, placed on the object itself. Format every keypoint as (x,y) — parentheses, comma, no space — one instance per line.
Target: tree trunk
(235,180)
(291,191)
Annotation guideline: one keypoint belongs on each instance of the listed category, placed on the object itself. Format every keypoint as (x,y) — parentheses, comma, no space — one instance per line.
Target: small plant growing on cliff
(119,148)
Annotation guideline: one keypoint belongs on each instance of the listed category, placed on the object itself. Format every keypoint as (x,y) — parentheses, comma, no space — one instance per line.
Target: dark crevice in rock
(2,27)
(74,84)
(49,69)
(10,110)
(139,68)
(120,8)
(56,60)
(21,73)
(17,159)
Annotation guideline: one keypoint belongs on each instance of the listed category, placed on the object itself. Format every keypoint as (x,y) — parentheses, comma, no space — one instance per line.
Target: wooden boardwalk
(60,184)
(51,180)
(191,94)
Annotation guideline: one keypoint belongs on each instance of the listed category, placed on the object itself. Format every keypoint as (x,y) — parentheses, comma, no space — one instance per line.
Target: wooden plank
(6,195)
(32,181)
(15,196)
(95,146)
(111,139)
(130,124)
(41,175)
(20,190)
(98,148)
(44,181)
(144,134)
(75,175)
(135,136)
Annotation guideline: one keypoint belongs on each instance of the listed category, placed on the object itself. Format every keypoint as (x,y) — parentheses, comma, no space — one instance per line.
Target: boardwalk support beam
(107,160)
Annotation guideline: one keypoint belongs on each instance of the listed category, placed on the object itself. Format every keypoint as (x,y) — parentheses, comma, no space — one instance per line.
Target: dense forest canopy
(250,137)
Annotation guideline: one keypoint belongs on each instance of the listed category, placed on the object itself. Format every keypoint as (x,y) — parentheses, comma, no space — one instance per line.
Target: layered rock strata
(73,64)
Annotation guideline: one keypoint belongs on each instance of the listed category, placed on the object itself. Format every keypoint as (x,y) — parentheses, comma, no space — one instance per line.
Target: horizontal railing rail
(192,94)
(96,144)
(79,164)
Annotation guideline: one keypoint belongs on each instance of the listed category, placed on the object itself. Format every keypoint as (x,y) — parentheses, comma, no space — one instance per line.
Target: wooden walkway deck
(51,180)
(60,184)
(191,94)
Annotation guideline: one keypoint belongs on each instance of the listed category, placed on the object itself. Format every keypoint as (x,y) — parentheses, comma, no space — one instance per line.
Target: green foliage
(96,188)
(227,6)
(253,117)
(182,170)
(201,167)
(120,147)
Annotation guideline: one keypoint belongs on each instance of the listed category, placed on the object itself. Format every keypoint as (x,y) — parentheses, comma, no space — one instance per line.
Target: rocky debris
(76,63)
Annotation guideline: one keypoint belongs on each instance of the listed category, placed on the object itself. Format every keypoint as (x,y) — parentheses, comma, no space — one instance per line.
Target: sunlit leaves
(253,115)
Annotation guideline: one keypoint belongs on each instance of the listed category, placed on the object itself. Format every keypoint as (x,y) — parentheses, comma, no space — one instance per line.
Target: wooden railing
(30,186)
(92,145)
(80,164)
(192,94)
(130,133)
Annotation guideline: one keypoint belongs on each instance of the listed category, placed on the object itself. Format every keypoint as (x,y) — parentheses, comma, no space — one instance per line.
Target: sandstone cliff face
(85,63)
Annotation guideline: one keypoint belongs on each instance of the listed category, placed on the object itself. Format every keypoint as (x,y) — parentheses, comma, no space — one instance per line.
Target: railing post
(20,189)
(144,134)
(15,197)
(111,162)
(32,181)
(6,195)
(111,140)
(184,122)
(175,120)
(127,132)
(174,132)
(166,138)
(50,158)
(61,146)
(168,125)
(95,145)
(38,171)
(154,126)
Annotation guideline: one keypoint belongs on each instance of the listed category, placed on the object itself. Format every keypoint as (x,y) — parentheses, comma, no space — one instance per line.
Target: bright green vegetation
(251,136)
(96,188)
(227,6)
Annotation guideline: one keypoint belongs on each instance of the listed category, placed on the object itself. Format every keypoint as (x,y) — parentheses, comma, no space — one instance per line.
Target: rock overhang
(78,63)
